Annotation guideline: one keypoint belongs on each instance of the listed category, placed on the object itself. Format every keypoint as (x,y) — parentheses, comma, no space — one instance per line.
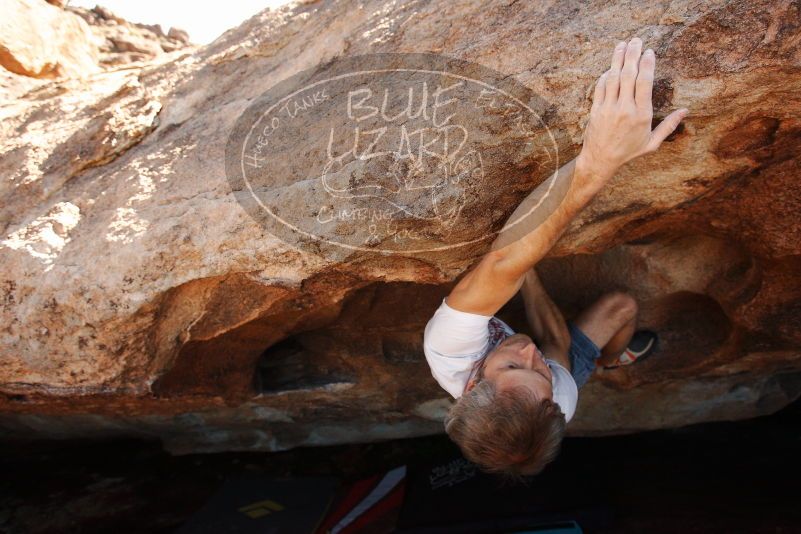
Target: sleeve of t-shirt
(452,342)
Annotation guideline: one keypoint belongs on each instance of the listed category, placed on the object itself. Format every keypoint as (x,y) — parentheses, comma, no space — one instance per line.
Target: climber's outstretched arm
(619,130)
(500,274)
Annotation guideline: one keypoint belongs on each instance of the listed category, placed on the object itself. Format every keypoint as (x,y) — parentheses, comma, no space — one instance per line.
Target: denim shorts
(583,353)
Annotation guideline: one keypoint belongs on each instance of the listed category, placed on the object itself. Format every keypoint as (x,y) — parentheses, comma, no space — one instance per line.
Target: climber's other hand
(619,126)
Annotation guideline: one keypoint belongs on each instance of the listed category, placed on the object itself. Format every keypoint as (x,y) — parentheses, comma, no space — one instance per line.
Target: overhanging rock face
(141,298)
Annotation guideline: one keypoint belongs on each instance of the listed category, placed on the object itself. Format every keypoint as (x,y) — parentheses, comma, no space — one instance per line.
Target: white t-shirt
(454,340)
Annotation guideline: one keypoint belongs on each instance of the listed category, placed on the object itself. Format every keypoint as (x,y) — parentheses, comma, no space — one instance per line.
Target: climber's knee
(607,316)
(619,306)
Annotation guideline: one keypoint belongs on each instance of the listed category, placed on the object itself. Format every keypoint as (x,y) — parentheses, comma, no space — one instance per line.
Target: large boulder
(144,293)
(41,40)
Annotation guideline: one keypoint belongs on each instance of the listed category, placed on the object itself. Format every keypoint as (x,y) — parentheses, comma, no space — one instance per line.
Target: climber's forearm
(543,216)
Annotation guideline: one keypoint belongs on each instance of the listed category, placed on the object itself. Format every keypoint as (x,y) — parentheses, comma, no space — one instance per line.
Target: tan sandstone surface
(139,296)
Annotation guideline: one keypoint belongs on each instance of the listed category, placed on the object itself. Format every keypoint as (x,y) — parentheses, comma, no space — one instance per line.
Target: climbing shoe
(641,345)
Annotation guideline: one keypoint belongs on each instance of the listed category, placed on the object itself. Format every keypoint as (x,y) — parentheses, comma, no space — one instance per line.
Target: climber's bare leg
(609,323)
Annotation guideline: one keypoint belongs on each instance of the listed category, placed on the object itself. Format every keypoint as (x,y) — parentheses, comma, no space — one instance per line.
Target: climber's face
(516,362)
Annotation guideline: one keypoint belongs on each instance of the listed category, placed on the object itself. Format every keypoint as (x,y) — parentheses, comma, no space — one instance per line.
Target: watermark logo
(390,153)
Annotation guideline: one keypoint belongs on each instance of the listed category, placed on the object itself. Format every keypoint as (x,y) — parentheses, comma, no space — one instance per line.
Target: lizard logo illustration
(389,153)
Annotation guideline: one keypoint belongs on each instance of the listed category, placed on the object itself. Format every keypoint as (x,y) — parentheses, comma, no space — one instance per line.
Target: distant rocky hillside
(125,42)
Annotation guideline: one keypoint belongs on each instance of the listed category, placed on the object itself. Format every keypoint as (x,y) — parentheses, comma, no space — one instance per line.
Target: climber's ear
(470,385)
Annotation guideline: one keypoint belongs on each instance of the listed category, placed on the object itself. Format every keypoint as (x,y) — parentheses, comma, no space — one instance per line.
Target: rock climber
(515,396)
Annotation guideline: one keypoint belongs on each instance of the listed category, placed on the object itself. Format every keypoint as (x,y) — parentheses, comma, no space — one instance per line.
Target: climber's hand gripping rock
(619,126)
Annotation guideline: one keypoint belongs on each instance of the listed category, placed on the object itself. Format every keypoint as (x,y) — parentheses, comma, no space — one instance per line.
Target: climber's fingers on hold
(628,73)
(600,90)
(613,75)
(645,80)
(665,128)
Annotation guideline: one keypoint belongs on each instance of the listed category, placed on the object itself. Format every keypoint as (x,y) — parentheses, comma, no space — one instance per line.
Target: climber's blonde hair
(508,432)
